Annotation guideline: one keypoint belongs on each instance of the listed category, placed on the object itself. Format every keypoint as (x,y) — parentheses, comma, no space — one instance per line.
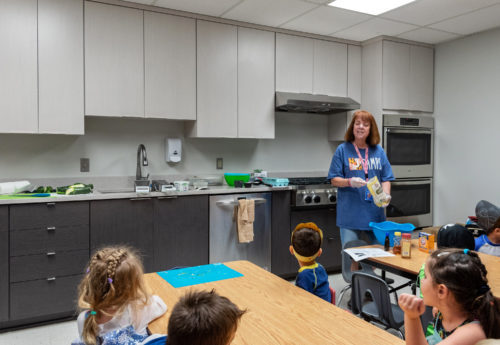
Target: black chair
(371,300)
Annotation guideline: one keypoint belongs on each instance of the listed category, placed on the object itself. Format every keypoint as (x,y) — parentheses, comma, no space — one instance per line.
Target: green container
(230,178)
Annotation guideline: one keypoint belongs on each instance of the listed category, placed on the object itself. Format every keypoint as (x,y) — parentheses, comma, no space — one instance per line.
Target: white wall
(467,112)
(111,144)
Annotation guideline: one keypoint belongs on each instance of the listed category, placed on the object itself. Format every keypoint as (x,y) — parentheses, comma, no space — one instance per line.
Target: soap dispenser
(174,150)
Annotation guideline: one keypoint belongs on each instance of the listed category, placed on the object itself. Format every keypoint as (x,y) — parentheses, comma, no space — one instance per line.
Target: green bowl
(230,178)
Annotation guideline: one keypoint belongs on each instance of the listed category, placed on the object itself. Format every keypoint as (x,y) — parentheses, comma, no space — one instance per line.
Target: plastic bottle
(387,242)
(406,246)
(397,243)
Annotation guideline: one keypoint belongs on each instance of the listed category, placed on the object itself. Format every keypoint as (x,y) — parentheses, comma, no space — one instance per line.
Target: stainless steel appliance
(411,202)
(223,236)
(311,103)
(312,191)
(408,142)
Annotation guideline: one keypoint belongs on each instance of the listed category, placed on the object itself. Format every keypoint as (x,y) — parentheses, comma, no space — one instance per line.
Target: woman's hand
(412,306)
(357,182)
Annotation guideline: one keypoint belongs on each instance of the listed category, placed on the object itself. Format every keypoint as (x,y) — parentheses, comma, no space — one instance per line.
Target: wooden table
(409,268)
(278,311)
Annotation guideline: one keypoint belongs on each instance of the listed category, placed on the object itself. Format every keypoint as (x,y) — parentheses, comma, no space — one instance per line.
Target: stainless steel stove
(312,191)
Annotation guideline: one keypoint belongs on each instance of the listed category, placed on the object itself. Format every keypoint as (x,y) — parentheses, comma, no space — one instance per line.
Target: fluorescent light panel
(373,7)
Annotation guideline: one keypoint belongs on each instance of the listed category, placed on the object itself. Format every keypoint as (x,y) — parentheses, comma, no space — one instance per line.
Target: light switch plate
(219,164)
(84,165)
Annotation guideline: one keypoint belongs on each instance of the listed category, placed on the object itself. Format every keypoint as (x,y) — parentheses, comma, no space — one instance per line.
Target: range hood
(309,103)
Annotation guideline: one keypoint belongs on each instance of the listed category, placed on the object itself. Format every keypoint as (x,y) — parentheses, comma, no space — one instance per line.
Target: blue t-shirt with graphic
(354,209)
(484,245)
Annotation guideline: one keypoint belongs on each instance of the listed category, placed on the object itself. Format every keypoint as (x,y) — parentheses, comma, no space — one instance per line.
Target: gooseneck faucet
(141,150)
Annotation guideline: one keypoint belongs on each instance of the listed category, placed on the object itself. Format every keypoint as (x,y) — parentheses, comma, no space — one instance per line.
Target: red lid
(407,236)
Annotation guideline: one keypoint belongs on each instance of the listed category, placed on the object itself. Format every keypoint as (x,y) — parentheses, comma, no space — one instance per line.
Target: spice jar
(406,246)
(396,249)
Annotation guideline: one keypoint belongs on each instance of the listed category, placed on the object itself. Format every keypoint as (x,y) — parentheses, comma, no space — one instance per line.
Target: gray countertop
(123,194)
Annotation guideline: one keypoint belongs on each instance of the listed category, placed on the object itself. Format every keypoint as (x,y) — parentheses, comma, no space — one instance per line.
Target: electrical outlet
(219,163)
(84,165)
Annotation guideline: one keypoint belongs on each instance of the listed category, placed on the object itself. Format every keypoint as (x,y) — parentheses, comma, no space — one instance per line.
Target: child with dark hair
(203,318)
(306,247)
(490,243)
(455,282)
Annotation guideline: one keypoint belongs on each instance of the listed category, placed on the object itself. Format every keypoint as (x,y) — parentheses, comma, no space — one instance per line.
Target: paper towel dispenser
(173,150)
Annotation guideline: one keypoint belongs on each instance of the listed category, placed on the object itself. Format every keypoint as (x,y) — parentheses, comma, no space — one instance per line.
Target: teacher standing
(355,161)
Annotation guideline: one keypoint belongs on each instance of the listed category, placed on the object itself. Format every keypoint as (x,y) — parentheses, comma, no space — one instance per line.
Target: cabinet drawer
(43,297)
(41,241)
(52,264)
(49,214)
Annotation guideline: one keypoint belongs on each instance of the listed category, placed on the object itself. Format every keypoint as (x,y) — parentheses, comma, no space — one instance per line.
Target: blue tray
(198,275)
(379,229)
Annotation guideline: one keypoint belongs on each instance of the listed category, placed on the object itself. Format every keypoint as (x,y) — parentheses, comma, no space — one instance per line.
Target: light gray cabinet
(330,68)
(60,66)
(421,78)
(354,72)
(18,67)
(255,83)
(170,66)
(294,63)
(114,61)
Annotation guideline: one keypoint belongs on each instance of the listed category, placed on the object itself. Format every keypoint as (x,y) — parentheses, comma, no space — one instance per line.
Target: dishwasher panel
(224,245)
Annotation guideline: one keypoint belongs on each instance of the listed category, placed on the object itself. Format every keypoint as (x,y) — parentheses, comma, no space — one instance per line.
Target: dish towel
(14,187)
(245,219)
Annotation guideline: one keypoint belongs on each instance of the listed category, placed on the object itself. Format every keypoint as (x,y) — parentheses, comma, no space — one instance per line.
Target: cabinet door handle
(167,197)
(330,238)
(51,228)
(139,199)
(51,279)
(51,253)
(51,204)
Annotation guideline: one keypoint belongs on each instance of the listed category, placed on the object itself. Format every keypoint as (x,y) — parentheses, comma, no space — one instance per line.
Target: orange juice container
(425,242)
(406,246)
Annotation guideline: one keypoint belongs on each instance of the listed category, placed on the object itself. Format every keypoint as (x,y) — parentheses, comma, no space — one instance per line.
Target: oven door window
(409,200)
(409,148)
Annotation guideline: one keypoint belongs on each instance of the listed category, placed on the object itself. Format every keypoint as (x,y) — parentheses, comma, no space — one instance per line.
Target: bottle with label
(406,246)
(396,249)
(387,242)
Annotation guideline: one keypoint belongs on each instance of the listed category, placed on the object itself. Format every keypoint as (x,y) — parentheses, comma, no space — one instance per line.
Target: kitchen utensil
(248,184)
(238,183)
(181,186)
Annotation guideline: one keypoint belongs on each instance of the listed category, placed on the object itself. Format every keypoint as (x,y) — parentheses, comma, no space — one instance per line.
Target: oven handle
(408,130)
(411,183)
(231,202)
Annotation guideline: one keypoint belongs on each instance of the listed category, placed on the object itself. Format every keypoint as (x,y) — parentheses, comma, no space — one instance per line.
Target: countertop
(127,194)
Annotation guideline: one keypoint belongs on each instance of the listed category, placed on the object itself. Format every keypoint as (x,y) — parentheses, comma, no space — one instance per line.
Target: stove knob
(308,199)
(317,199)
(332,198)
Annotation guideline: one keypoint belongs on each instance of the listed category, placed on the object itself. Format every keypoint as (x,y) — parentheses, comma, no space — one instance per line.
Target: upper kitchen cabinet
(60,67)
(114,61)
(18,66)
(306,65)
(170,66)
(255,83)
(354,72)
(407,77)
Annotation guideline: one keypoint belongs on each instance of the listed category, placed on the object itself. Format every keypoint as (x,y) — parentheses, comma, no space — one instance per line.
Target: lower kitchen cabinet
(181,231)
(282,262)
(4,263)
(123,222)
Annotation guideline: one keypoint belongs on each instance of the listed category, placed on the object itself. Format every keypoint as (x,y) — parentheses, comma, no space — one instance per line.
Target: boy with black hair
(203,318)
(306,247)
(490,243)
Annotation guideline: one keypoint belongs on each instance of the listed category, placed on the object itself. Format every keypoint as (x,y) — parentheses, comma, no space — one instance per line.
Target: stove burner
(312,191)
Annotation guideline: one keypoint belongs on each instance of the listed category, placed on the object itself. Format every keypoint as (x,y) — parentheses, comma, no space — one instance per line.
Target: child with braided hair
(455,282)
(116,306)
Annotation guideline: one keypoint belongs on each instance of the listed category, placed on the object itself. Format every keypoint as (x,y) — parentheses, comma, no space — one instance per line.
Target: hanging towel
(14,187)
(245,219)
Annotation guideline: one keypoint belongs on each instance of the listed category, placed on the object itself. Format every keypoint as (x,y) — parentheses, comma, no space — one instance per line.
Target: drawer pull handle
(51,204)
(167,197)
(51,279)
(139,199)
(330,238)
(51,228)
(51,253)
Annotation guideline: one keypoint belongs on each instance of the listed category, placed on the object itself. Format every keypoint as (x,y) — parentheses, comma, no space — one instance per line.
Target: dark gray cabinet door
(123,221)
(181,232)
(4,263)
(282,262)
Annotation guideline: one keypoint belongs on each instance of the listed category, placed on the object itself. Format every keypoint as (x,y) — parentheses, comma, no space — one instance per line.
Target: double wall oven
(408,141)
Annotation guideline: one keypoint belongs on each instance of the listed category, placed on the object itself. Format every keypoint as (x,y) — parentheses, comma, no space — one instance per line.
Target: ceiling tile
(373,28)
(428,36)
(144,2)
(326,19)
(480,20)
(425,12)
(265,12)
(210,8)
(319,1)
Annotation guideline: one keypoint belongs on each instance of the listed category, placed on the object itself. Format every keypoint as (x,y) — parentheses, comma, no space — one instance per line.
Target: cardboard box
(425,242)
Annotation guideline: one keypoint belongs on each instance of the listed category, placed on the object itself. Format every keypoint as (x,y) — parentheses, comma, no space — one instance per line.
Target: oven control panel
(316,197)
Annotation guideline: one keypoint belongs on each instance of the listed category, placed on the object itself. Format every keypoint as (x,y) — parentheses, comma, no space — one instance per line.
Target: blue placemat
(198,275)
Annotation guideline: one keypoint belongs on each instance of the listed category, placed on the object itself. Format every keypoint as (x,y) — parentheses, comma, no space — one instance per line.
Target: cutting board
(25,196)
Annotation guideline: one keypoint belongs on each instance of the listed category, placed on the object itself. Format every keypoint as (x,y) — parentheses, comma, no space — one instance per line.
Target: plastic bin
(379,229)
(276,182)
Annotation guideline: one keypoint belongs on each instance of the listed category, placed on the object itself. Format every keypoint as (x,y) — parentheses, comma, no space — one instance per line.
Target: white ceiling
(429,21)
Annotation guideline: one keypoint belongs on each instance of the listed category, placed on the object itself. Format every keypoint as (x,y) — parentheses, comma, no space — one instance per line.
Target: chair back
(380,309)
(346,260)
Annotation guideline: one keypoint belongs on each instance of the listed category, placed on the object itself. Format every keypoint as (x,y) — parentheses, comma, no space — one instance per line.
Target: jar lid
(406,235)
(397,233)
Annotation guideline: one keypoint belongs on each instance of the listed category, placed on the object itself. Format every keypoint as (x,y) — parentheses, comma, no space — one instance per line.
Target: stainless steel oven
(411,202)
(408,142)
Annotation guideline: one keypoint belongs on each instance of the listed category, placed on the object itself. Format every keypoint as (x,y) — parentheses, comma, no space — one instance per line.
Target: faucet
(141,150)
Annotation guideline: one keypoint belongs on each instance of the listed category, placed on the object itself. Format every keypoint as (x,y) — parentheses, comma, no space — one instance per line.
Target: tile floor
(64,332)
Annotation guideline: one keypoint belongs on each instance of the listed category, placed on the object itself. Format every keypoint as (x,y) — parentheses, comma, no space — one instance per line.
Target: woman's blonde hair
(373,138)
(114,279)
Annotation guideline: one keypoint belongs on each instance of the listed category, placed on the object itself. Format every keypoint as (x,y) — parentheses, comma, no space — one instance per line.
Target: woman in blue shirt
(355,161)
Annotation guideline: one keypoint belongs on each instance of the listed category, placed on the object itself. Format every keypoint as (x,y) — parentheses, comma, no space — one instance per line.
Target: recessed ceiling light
(369,6)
